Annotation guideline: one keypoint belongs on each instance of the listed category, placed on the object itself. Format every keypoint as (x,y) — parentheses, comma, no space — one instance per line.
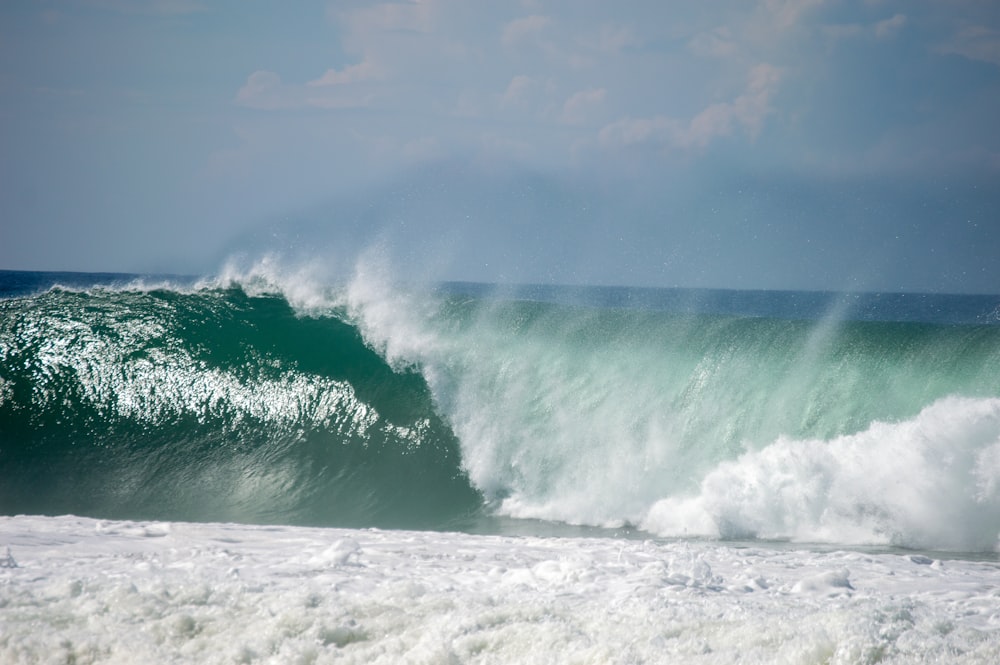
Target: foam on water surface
(86,591)
(927,482)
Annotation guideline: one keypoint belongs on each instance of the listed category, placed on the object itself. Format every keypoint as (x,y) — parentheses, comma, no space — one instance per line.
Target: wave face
(212,404)
(267,397)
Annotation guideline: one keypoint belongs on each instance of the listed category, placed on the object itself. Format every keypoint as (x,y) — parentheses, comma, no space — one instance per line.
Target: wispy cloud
(890,26)
(519,90)
(747,111)
(538,74)
(390,17)
(786,13)
(975,42)
(363,71)
(149,7)
(878,30)
(578,108)
(264,90)
(615,38)
(523,29)
(715,43)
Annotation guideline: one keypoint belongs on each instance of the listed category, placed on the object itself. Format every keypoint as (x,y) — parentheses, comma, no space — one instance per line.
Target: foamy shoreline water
(89,591)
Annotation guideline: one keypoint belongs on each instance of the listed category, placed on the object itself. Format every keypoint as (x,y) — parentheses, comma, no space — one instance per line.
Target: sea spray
(780,427)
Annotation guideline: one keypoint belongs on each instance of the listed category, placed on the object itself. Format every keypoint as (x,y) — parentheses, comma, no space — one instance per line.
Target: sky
(775,144)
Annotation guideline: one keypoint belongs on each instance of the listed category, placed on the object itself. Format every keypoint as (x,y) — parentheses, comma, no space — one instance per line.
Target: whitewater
(272,465)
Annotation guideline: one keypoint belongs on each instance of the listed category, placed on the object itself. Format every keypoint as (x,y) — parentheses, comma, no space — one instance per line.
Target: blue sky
(831,144)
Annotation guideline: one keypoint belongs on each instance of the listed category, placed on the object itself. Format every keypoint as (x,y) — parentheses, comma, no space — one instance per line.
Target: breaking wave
(267,395)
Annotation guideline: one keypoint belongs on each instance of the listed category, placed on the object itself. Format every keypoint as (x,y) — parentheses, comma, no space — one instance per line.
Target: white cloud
(838,31)
(363,71)
(715,43)
(756,31)
(415,48)
(265,90)
(445,69)
(568,75)
(975,42)
(531,102)
(630,131)
(524,28)
(615,38)
(747,111)
(890,26)
(393,16)
(149,7)
(262,91)
(786,13)
(578,107)
(883,29)
(519,90)
(422,149)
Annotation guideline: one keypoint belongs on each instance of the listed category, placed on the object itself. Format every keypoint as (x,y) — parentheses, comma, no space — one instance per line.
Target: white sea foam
(85,591)
(929,482)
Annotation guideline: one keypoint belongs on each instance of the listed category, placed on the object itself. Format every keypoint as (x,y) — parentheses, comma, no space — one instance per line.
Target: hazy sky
(752,143)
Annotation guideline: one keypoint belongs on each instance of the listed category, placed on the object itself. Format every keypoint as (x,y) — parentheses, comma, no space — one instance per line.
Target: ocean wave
(271,393)
(211,403)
